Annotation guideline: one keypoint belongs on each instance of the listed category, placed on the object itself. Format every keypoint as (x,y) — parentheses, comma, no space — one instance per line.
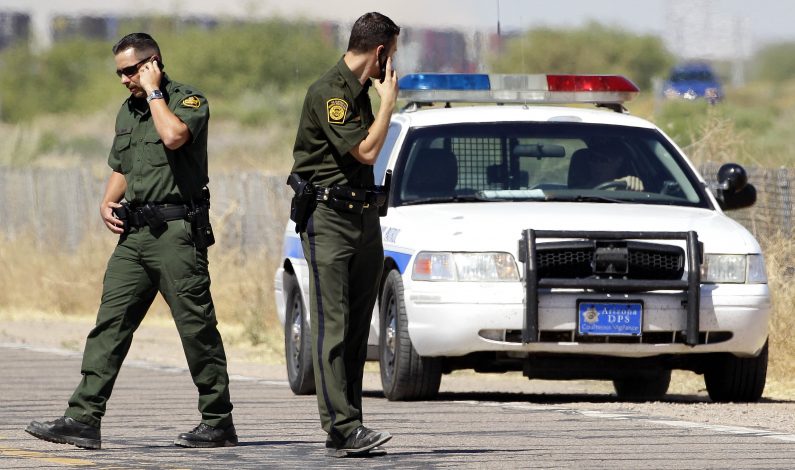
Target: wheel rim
(296,331)
(390,336)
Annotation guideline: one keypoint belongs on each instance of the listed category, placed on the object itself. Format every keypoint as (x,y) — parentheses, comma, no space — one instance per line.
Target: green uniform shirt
(336,116)
(153,172)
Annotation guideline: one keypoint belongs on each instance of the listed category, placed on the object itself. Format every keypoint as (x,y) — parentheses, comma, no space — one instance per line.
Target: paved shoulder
(151,405)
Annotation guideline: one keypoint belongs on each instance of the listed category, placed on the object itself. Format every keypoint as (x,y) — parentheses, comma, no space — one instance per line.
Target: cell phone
(159,62)
(382,57)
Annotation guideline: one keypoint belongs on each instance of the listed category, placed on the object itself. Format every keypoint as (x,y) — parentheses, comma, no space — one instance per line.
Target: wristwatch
(155,95)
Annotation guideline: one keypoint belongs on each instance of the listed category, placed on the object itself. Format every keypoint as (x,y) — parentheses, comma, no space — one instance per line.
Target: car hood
(495,226)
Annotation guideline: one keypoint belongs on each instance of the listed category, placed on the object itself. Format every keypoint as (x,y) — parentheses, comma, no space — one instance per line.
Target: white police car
(565,242)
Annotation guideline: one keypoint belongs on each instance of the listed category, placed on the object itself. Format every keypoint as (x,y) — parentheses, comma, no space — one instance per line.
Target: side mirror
(734,192)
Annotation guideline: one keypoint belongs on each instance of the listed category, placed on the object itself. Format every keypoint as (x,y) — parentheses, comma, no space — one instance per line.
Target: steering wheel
(615,184)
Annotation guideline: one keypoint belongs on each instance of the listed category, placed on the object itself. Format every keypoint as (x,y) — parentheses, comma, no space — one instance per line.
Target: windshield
(693,76)
(552,161)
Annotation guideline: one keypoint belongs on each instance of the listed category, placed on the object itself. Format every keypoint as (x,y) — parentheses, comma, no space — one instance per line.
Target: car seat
(434,172)
(580,175)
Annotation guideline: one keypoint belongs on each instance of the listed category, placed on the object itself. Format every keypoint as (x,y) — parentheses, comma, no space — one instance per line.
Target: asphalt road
(152,404)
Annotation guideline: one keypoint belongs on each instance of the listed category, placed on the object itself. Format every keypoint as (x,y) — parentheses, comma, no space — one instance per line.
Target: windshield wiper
(443,199)
(582,198)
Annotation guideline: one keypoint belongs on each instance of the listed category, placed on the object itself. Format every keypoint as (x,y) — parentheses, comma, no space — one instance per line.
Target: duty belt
(137,216)
(349,199)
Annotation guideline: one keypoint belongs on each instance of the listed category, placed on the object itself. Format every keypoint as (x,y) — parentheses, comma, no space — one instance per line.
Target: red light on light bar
(590,83)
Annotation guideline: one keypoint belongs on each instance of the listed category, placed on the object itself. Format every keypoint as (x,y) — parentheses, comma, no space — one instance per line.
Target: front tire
(297,341)
(645,387)
(405,375)
(737,379)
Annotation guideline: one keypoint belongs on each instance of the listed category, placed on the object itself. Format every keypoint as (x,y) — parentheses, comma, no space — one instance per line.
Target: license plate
(609,318)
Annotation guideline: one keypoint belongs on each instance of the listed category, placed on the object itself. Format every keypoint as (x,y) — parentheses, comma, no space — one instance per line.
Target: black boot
(65,430)
(360,442)
(208,436)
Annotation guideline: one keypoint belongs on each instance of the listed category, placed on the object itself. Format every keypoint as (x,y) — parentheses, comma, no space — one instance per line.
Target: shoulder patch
(336,109)
(191,102)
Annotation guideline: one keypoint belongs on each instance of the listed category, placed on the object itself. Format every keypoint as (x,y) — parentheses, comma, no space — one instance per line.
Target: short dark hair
(141,42)
(372,30)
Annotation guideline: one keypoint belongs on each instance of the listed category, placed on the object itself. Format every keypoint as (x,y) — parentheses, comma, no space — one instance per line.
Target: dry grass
(42,278)
(38,277)
(780,258)
(718,141)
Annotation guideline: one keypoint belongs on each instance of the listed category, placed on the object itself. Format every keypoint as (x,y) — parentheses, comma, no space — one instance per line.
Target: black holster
(123,213)
(153,216)
(303,201)
(199,218)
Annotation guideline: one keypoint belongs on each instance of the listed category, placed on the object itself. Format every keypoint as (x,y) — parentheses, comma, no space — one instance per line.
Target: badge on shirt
(191,102)
(336,108)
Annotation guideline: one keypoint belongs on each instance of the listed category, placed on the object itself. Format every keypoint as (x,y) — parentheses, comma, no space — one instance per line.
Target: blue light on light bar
(441,81)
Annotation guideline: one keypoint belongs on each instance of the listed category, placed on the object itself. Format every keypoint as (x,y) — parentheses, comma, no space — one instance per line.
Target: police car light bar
(498,88)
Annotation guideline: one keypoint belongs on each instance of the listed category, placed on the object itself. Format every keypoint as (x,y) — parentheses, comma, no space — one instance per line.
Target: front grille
(654,263)
(566,262)
(575,260)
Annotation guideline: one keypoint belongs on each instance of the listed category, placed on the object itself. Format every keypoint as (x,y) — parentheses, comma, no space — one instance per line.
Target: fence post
(785,205)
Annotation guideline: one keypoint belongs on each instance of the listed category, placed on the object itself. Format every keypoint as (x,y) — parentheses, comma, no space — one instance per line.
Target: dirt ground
(157,342)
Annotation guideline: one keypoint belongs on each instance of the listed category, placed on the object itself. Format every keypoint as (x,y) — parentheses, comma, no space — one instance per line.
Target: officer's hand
(149,75)
(114,225)
(633,183)
(388,91)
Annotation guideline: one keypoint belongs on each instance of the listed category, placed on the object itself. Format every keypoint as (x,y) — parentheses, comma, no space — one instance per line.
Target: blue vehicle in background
(693,80)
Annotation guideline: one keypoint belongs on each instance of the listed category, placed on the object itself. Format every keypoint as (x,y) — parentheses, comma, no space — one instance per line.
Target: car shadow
(561,398)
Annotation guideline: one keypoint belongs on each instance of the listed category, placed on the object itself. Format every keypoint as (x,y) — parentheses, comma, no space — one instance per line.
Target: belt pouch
(353,207)
(348,194)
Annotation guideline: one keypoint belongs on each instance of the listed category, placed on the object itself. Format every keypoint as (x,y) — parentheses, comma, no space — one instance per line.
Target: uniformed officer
(159,163)
(337,144)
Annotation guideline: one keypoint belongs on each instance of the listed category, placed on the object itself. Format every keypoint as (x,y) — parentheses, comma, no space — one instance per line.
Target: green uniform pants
(142,264)
(345,258)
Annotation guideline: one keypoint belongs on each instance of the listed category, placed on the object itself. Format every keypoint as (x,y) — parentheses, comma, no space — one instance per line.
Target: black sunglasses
(132,69)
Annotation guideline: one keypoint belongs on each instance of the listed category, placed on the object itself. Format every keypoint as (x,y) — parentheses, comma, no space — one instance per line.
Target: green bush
(775,62)
(227,62)
(592,49)
(67,77)
(233,58)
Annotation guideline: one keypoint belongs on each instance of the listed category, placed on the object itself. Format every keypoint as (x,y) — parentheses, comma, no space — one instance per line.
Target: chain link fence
(60,207)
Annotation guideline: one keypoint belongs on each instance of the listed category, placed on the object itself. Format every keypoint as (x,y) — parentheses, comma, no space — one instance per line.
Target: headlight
(735,269)
(466,267)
